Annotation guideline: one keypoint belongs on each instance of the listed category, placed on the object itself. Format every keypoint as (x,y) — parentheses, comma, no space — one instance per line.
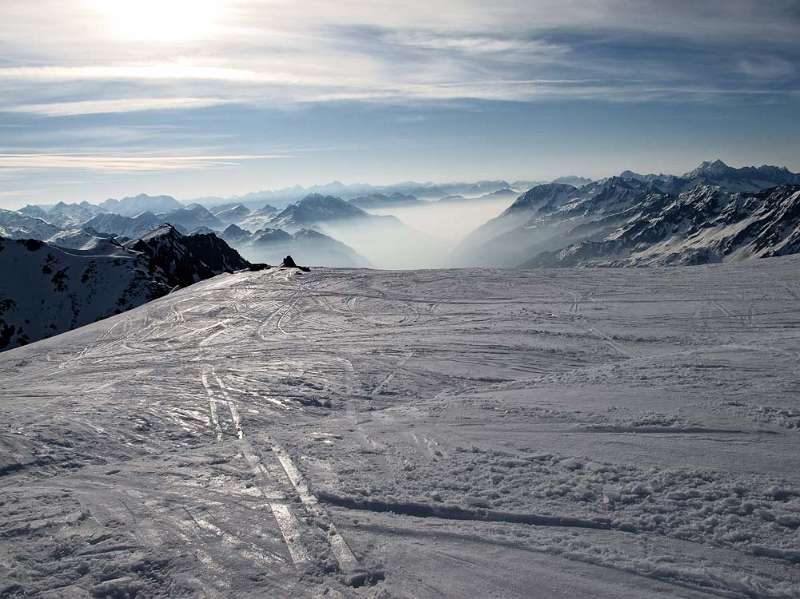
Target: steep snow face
(15,225)
(574,433)
(47,290)
(131,206)
(77,239)
(702,225)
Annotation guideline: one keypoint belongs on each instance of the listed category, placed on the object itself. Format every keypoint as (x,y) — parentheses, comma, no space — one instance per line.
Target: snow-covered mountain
(234,234)
(125,226)
(191,218)
(64,215)
(551,218)
(748,178)
(258,219)
(133,205)
(306,245)
(186,259)
(501,194)
(231,214)
(314,209)
(572,180)
(46,289)
(16,225)
(79,238)
(702,225)
(511,237)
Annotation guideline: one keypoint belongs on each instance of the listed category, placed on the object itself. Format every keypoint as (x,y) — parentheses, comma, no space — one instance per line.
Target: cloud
(268,53)
(125,163)
(86,107)
(767,67)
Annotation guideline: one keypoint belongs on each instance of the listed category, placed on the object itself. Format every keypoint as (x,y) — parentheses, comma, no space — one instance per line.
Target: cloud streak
(121,163)
(86,107)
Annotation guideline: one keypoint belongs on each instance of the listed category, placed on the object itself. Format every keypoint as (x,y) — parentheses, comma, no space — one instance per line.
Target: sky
(108,98)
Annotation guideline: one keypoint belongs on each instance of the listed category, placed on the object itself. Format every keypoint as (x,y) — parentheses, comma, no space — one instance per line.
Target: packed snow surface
(444,433)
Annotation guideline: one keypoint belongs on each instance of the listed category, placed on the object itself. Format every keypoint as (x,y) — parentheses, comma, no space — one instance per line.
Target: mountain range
(70,264)
(712,213)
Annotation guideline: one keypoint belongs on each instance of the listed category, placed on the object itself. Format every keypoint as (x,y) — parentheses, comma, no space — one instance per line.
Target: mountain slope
(589,223)
(46,289)
(314,209)
(703,225)
(191,218)
(186,259)
(53,289)
(133,205)
(306,245)
(125,226)
(16,225)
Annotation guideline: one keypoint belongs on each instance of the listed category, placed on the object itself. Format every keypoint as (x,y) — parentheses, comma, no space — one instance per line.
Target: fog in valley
(432,230)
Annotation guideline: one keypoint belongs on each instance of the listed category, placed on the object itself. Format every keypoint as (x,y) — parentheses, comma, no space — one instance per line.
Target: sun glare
(160,20)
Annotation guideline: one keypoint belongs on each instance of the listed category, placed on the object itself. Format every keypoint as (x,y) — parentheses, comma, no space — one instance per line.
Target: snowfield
(442,433)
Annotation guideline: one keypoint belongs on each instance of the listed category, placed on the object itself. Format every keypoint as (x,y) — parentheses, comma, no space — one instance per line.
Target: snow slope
(702,225)
(47,289)
(560,225)
(444,433)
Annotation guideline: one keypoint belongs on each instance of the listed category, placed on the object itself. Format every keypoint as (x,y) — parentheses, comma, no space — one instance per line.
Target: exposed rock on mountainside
(288,262)
(186,259)
(46,289)
(600,222)
(699,226)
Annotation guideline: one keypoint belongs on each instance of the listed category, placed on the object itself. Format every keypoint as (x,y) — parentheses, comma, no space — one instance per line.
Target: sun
(160,20)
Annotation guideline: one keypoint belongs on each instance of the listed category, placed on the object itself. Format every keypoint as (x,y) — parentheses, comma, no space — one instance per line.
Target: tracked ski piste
(463,433)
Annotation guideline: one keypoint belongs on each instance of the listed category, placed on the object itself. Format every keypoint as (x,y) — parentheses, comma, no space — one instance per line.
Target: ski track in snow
(576,433)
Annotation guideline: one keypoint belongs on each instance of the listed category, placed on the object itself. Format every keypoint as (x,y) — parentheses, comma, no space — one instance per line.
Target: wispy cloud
(85,107)
(121,163)
(270,52)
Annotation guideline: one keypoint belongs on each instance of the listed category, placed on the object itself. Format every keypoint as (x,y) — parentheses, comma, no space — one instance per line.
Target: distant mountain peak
(710,168)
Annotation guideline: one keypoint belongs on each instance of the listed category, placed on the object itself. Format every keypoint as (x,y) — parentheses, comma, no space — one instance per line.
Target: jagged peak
(164,230)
